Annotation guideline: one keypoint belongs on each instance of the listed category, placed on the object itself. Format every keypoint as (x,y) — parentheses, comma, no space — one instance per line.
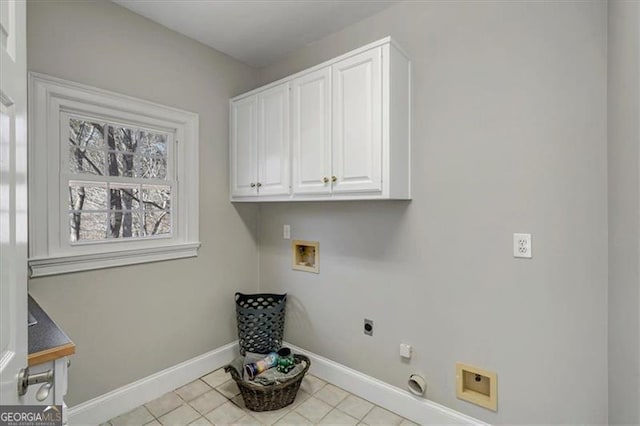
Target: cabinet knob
(259,184)
(253,185)
(333,178)
(325,179)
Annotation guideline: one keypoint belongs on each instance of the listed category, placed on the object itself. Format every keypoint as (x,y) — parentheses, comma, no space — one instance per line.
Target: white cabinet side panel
(399,125)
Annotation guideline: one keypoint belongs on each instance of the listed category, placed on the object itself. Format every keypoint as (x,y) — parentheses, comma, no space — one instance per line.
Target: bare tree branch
(157,224)
(82,152)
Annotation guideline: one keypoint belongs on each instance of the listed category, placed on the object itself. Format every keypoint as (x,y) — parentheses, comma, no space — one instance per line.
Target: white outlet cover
(286,232)
(522,245)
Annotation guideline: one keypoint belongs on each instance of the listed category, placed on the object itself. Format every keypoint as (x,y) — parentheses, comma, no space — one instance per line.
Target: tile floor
(215,400)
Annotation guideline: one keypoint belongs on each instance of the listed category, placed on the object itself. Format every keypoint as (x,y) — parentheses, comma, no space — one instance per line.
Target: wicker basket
(267,398)
(260,322)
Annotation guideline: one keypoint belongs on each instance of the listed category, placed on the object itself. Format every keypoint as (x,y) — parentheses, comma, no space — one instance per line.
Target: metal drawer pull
(325,179)
(253,185)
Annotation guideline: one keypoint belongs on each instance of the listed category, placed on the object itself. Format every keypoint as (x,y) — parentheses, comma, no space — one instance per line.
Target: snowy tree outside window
(118,185)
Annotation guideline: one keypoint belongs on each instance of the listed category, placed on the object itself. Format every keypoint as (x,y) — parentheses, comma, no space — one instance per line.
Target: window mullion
(108,211)
(116,180)
(141,212)
(105,146)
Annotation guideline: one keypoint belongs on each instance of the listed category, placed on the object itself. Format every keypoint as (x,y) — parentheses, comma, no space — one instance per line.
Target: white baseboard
(419,410)
(126,398)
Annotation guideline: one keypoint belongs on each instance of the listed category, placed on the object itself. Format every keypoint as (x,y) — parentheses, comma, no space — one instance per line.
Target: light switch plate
(286,232)
(405,350)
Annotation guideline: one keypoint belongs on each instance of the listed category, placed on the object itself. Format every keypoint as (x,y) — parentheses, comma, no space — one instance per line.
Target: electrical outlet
(522,245)
(286,232)
(368,327)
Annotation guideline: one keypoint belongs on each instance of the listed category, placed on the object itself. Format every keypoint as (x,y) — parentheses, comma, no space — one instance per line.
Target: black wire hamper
(260,320)
(267,398)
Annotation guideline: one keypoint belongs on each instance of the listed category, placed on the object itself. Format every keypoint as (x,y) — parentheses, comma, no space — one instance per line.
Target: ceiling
(256,32)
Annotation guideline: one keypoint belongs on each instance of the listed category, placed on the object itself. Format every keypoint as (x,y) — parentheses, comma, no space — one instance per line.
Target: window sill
(85,262)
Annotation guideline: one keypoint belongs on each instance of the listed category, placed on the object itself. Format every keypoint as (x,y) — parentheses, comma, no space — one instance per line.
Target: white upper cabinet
(259,147)
(311,139)
(273,141)
(357,123)
(350,128)
(244,147)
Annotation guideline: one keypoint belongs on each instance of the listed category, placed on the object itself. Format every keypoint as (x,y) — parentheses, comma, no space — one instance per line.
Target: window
(117,181)
(113,180)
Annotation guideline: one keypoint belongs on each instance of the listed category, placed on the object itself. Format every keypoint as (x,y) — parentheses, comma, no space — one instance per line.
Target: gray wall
(133,321)
(509,136)
(624,138)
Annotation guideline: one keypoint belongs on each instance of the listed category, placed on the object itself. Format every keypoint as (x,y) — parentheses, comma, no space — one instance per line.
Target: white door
(13,197)
(311,138)
(273,141)
(243,149)
(357,123)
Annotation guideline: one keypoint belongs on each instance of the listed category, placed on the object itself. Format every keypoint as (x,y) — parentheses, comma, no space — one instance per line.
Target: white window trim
(49,252)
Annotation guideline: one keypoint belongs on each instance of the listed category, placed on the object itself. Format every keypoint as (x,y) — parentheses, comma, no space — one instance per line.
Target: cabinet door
(357,123)
(311,137)
(243,150)
(273,141)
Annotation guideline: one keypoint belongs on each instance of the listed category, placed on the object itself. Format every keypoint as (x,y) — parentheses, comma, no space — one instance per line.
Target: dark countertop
(46,340)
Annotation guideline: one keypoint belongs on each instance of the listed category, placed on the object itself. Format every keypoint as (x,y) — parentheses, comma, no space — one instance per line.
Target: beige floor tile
(293,418)
(380,416)
(337,417)
(227,413)
(167,402)
(137,417)
(247,420)
(313,409)
(317,402)
(228,389)
(270,417)
(331,394)
(201,421)
(311,384)
(193,390)
(208,401)
(355,406)
(181,416)
(216,378)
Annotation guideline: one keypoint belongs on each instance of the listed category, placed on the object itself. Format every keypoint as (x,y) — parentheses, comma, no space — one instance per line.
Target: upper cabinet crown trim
(373,45)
